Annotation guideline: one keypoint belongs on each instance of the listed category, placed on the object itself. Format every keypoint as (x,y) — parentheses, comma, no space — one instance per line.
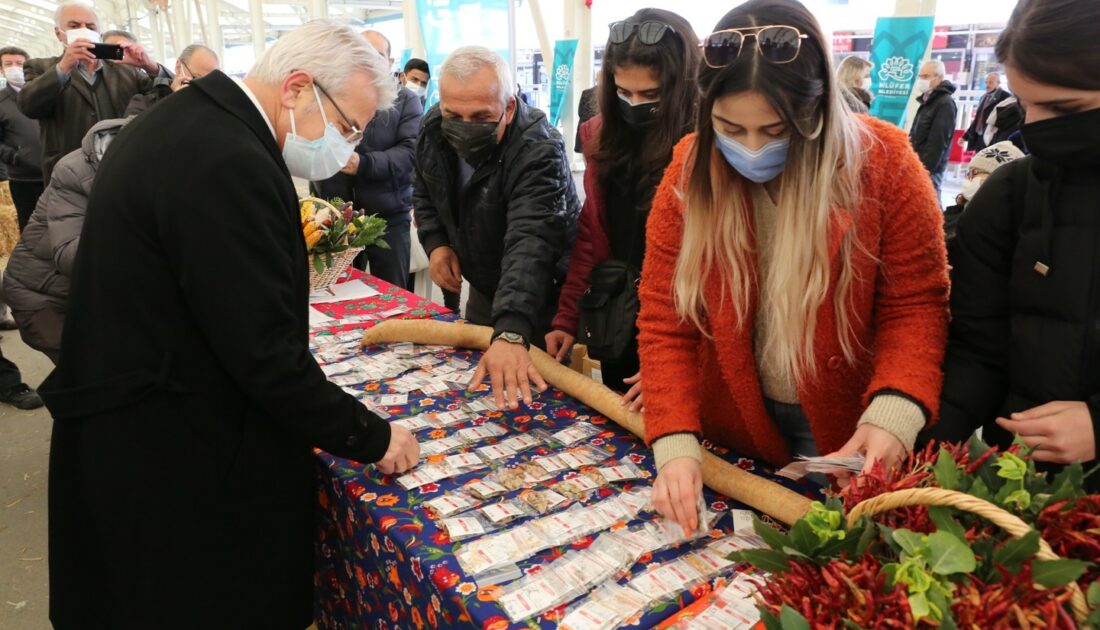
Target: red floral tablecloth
(382,562)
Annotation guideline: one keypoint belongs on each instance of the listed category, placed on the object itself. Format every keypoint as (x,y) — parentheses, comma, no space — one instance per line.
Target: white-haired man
(186,401)
(69,94)
(934,124)
(994,96)
(495,204)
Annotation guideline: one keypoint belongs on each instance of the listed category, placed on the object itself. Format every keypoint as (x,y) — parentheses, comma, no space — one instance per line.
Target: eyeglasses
(356,133)
(777,44)
(189,73)
(649,33)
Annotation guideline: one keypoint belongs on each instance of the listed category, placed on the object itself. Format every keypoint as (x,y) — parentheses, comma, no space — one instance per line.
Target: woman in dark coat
(1023,355)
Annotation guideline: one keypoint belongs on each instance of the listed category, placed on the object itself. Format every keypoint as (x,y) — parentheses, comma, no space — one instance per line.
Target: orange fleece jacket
(708,384)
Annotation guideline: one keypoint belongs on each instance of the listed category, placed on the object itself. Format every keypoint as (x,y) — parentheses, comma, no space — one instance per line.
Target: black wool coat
(186,401)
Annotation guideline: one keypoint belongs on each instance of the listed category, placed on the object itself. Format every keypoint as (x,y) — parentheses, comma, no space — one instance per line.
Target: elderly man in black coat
(495,204)
(186,401)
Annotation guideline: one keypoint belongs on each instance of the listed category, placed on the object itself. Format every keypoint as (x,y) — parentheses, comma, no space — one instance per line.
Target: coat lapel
(78,83)
(229,96)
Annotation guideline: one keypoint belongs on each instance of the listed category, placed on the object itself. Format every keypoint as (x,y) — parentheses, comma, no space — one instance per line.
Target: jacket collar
(228,95)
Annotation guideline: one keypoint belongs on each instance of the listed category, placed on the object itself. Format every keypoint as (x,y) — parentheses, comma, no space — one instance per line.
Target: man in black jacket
(378,179)
(993,96)
(495,204)
(71,93)
(20,146)
(934,124)
(186,400)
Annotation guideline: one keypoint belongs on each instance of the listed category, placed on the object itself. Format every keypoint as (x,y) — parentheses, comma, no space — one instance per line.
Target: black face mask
(1070,141)
(472,141)
(639,116)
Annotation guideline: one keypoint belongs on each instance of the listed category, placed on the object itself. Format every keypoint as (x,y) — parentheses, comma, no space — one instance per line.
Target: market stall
(532,518)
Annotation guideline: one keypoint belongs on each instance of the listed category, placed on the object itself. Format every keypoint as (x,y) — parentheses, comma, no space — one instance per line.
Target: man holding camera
(71,93)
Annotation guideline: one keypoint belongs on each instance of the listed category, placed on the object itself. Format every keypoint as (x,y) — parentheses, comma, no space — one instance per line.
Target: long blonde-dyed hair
(821,177)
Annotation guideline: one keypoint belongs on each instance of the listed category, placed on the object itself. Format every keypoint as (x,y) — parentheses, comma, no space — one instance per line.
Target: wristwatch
(512,337)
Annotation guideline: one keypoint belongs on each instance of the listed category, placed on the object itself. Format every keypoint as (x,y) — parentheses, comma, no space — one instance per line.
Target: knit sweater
(710,385)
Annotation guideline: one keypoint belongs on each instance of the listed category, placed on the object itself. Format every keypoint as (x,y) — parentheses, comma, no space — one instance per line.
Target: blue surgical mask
(316,159)
(762,165)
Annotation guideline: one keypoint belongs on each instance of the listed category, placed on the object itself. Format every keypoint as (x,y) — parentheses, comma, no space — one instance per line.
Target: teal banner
(897,51)
(561,86)
(446,25)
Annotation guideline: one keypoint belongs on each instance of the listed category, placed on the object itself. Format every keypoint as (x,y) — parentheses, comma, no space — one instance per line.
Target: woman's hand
(1060,432)
(875,444)
(676,491)
(558,344)
(633,396)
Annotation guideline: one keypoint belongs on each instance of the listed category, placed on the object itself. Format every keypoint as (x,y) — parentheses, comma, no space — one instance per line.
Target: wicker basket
(340,264)
(967,503)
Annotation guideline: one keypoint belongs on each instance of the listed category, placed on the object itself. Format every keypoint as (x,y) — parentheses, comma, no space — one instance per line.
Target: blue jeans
(794,426)
(391,265)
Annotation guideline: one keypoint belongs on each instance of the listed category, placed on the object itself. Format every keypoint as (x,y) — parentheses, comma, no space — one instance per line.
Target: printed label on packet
(550,463)
(574,460)
(440,446)
(447,505)
(742,522)
(434,387)
(496,452)
(591,615)
(576,433)
(485,489)
(501,512)
(448,418)
(462,527)
(464,460)
(393,400)
(522,442)
(413,424)
(620,473)
(527,601)
(482,432)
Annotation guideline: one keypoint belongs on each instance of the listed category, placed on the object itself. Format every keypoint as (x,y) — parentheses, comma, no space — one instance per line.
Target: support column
(181,17)
(544,42)
(578,26)
(915,8)
(414,40)
(214,26)
(512,52)
(318,9)
(259,32)
(156,26)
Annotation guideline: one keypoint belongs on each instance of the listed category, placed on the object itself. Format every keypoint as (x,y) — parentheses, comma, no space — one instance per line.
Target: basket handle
(967,503)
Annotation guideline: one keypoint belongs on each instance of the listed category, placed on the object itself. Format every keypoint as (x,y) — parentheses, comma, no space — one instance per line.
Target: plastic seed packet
(535,595)
(581,456)
(623,470)
(496,452)
(423,475)
(450,504)
(543,501)
(485,489)
(465,527)
(667,580)
(505,511)
(499,575)
(576,488)
(446,419)
(576,433)
(481,405)
(413,423)
(482,432)
(525,441)
(486,554)
(552,464)
(708,562)
(535,473)
(441,446)
(607,607)
(464,462)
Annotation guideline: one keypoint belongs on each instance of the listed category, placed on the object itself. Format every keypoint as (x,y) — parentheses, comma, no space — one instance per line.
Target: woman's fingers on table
(676,492)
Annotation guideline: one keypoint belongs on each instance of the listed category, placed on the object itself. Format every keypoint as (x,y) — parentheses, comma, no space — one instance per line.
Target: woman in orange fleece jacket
(794,290)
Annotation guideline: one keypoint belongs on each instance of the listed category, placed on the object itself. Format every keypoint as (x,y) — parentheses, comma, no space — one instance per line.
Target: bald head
(992,82)
(380,43)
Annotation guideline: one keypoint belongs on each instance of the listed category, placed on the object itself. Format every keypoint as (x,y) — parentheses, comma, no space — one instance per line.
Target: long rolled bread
(756,492)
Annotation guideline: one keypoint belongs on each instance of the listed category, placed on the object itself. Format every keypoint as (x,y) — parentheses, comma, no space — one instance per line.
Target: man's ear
(292,87)
(510,110)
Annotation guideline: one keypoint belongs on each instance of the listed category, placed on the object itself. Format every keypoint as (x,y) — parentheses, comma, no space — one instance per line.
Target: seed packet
(450,504)
(571,435)
(535,473)
(423,475)
(464,462)
(404,349)
(433,387)
(708,562)
(500,575)
(606,607)
(543,501)
(441,446)
(577,487)
(486,554)
(481,405)
(512,478)
(535,595)
(623,470)
(465,527)
(496,452)
(525,441)
(505,512)
(485,488)
(552,464)
(413,423)
(581,456)
(445,419)
(482,432)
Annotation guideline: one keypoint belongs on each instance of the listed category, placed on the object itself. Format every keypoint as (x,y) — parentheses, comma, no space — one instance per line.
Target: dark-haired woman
(1023,357)
(794,293)
(647,97)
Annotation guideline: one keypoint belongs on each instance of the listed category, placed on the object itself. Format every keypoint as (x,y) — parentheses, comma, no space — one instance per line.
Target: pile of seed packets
(733,608)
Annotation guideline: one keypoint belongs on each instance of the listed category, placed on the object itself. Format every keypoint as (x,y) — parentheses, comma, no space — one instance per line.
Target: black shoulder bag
(609,310)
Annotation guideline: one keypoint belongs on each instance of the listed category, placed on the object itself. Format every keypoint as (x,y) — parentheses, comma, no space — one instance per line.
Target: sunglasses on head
(649,32)
(777,44)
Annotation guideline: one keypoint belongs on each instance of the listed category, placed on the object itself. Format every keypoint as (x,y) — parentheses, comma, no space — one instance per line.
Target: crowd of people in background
(757,262)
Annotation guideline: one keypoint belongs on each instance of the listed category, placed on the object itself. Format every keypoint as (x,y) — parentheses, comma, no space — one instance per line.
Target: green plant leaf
(329,260)
(1011,467)
(1053,573)
(910,542)
(980,490)
(1093,596)
(946,470)
(771,622)
(765,559)
(949,555)
(866,537)
(803,538)
(918,604)
(791,619)
(318,265)
(1067,484)
(1015,551)
(771,535)
(948,623)
(945,522)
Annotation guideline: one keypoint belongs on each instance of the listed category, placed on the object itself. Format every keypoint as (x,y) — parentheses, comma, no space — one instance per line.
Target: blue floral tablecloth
(382,562)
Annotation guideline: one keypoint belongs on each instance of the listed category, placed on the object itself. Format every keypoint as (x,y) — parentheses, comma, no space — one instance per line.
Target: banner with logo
(561,87)
(449,24)
(897,51)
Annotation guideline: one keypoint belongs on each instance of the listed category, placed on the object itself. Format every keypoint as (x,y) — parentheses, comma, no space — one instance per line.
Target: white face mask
(971,186)
(82,33)
(419,90)
(923,85)
(316,159)
(14,75)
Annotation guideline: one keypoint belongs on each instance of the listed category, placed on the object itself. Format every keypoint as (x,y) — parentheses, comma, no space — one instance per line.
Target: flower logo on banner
(896,68)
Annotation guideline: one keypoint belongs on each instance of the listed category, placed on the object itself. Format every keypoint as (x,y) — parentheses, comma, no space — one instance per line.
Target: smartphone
(107,51)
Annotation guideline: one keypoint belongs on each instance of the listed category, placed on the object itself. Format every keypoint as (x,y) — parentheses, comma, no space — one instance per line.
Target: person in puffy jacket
(1023,351)
(36,282)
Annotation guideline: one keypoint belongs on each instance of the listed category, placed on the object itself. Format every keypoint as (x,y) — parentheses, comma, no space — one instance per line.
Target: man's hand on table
(402,454)
(677,489)
(558,344)
(511,373)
